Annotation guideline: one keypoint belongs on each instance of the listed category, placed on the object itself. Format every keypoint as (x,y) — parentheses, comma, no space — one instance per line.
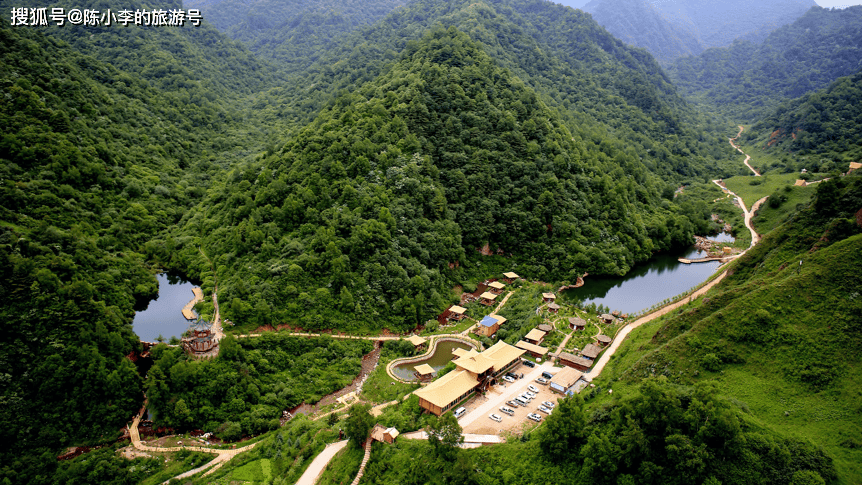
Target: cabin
(545,327)
(591,351)
(424,372)
(456,313)
(553,307)
(576,323)
(489,325)
(854,166)
(575,362)
(535,336)
(417,341)
(801,183)
(510,277)
(201,341)
(608,318)
(474,371)
(384,435)
(548,297)
(566,381)
(532,349)
(496,287)
(488,298)
(604,340)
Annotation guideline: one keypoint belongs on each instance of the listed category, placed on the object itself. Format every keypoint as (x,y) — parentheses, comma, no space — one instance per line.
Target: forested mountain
(107,140)
(673,29)
(640,23)
(362,212)
(747,80)
(828,121)
(294,33)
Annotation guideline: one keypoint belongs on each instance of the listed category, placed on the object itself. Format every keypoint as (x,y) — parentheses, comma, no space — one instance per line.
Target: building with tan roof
(496,287)
(576,362)
(456,313)
(487,298)
(565,380)
(532,349)
(549,297)
(424,372)
(417,341)
(510,277)
(474,371)
(576,323)
(591,351)
(535,336)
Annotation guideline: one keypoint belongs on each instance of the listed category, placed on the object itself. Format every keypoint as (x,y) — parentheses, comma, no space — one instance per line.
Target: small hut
(510,277)
(496,287)
(575,362)
(488,298)
(424,372)
(565,380)
(591,351)
(854,166)
(576,323)
(608,318)
(417,341)
(456,313)
(489,325)
(384,435)
(545,327)
(549,297)
(604,340)
(553,307)
(535,336)
(534,350)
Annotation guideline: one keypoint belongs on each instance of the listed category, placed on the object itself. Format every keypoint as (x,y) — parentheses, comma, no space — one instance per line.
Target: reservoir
(648,283)
(163,316)
(442,356)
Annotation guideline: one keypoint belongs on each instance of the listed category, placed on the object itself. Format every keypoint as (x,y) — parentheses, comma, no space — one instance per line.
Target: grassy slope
(796,371)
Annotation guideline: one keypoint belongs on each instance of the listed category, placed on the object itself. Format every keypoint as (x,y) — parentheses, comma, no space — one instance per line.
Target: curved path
(747,156)
(313,472)
(223,455)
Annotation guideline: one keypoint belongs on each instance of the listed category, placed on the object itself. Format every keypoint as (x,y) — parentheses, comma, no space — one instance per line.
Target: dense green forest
(747,80)
(828,122)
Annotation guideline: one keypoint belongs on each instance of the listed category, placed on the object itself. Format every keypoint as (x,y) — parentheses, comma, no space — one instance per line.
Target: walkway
(223,455)
(747,156)
(313,472)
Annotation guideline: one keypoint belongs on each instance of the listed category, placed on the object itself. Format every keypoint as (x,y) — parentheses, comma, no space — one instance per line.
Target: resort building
(544,327)
(424,372)
(488,298)
(577,323)
(474,371)
(575,362)
(417,341)
(591,351)
(384,435)
(553,307)
(496,287)
(854,166)
(456,313)
(608,318)
(604,340)
(510,277)
(549,297)
(566,381)
(489,325)
(535,336)
(201,342)
(533,349)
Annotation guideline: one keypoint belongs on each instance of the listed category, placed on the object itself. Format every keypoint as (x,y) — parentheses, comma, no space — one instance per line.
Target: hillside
(825,122)
(780,334)
(674,29)
(747,80)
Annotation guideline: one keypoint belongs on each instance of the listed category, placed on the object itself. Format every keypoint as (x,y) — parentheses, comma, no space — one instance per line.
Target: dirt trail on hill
(747,156)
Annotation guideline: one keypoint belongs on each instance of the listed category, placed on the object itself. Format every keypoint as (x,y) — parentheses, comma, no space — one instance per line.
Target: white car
(549,405)
(508,379)
(544,410)
(507,410)
(526,397)
(531,394)
(535,417)
(533,388)
(495,417)
(542,381)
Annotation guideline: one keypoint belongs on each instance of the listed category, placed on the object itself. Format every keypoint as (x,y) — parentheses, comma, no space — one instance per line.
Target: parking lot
(477,421)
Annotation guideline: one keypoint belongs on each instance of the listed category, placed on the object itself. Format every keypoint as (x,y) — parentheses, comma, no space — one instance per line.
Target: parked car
(544,410)
(529,364)
(495,417)
(532,395)
(522,400)
(507,410)
(547,375)
(535,417)
(460,412)
(508,379)
(513,403)
(549,405)
(525,397)
(542,381)
(533,388)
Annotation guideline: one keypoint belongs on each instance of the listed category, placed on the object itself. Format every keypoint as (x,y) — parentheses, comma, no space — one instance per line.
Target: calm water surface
(163,316)
(649,283)
(441,357)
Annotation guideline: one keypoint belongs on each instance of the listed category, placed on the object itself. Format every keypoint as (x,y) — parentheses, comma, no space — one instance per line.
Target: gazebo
(549,297)
(577,323)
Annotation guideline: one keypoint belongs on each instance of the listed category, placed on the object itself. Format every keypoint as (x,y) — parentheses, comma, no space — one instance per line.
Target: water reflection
(163,316)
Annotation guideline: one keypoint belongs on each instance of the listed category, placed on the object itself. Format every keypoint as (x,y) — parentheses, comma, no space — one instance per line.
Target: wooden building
(591,351)
(571,360)
(488,298)
(424,372)
(854,166)
(604,340)
(510,277)
(549,297)
(489,325)
(544,327)
(535,336)
(417,341)
(577,323)
(456,313)
(553,307)
(565,381)
(608,318)
(201,340)
(532,349)
(474,371)
(384,435)
(496,287)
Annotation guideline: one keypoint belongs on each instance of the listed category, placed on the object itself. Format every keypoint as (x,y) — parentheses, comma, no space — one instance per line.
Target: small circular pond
(442,355)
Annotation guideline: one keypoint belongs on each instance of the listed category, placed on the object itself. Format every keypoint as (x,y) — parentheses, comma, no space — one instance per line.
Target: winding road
(747,156)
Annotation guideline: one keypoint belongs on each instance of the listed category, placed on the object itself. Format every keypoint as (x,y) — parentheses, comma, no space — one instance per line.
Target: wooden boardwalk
(187,310)
(702,260)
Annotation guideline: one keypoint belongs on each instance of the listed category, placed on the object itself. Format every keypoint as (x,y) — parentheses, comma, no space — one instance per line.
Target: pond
(163,316)
(722,237)
(442,356)
(648,283)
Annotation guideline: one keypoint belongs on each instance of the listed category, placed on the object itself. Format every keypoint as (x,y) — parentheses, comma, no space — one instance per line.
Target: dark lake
(163,316)
(648,283)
